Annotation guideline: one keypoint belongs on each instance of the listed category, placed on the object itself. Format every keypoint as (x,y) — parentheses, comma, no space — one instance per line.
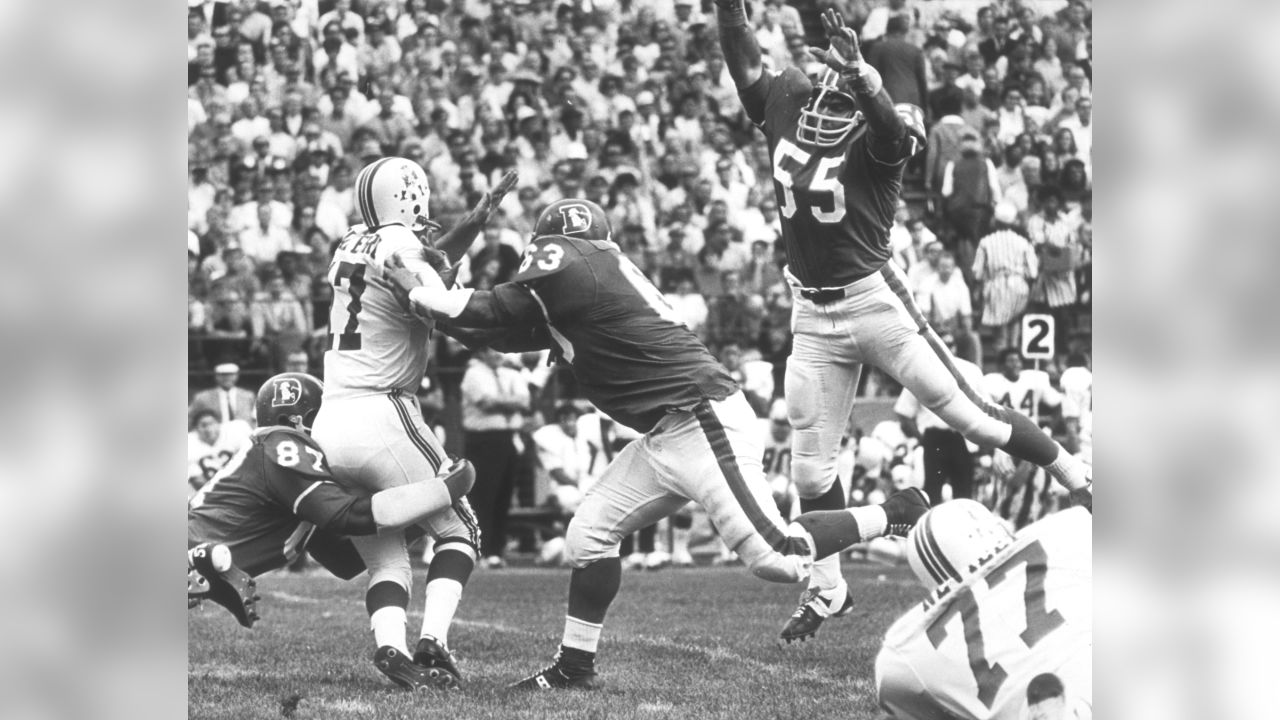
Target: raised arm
(864,83)
(458,239)
(738,41)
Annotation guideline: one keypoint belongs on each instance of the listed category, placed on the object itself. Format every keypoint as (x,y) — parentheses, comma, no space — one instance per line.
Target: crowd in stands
(627,103)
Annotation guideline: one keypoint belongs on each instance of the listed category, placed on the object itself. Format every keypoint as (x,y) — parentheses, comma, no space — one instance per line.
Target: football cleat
(903,509)
(212,576)
(402,671)
(439,662)
(811,613)
(556,677)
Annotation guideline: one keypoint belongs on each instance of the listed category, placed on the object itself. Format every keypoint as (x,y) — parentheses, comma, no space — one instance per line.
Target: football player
(638,363)
(210,444)
(371,423)
(276,498)
(1006,632)
(838,147)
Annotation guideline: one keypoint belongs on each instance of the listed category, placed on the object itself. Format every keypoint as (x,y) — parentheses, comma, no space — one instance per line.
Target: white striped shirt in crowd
(1005,264)
(1057,289)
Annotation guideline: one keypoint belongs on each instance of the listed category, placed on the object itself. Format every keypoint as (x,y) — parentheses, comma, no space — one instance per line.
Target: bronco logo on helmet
(287,391)
(577,218)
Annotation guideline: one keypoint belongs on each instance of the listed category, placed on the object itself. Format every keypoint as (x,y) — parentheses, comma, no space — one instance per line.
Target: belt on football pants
(822,297)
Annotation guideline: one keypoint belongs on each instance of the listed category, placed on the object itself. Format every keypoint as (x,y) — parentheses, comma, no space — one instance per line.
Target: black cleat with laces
(401,670)
(903,509)
(212,576)
(561,676)
(807,618)
(439,663)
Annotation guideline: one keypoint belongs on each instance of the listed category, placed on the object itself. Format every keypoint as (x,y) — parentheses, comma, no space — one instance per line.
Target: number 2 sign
(1037,337)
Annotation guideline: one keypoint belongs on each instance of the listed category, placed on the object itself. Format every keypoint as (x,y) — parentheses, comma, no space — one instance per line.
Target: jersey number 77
(1039,621)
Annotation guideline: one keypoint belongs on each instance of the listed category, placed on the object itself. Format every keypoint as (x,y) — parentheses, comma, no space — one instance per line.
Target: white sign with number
(1037,337)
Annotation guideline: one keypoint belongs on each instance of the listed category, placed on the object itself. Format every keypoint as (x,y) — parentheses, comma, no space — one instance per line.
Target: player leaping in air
(838,148)
(636,361)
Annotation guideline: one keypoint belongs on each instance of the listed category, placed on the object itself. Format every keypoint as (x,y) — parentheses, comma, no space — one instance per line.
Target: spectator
(947,306)
(1006,265)
(564,459)
(901,64)
(1012,181)
(970,190)
(494,400)
(733,317)
(761,272)
(279,321)
(1080,123)
(227,401)
(945,140)
(689,305)
(1054,235)
(264,241)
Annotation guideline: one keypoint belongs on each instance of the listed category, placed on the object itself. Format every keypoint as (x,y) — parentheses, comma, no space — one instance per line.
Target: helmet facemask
(830,115)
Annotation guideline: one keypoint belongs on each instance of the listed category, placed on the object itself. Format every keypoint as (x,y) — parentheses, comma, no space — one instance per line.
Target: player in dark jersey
(277,498)
(636,361)
(838,147)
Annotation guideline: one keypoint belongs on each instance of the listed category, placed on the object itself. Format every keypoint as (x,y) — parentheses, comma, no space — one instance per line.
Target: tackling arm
(337,510)
(458,239)
(738,41)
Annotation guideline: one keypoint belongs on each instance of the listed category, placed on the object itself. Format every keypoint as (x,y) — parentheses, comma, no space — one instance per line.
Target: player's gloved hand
(401,281)
(845,57)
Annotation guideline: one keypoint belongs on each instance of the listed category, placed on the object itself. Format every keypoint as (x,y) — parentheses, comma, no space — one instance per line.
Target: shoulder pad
(292,449)
(794,81)
(548,255)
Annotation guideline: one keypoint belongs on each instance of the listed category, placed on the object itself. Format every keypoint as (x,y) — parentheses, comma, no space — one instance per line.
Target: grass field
(695,643)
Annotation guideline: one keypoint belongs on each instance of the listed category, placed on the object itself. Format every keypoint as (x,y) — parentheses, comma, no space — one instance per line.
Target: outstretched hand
(489,202)
(844,54)
(401,281)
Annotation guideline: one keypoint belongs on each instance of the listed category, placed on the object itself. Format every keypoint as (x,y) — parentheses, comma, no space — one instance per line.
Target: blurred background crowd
(628,103)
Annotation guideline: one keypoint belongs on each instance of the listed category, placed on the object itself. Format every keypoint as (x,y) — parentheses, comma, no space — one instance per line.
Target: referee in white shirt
(948,457)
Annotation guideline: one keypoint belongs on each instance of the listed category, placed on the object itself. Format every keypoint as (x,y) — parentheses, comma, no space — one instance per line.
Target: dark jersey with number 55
(632,355)
(267,501)
(837,204)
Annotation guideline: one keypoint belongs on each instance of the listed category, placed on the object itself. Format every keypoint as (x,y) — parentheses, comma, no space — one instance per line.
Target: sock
(1027,441)
(442,600)
(835,530)
(592,589)
(388,628)
(581,635)
(1068,470)
(832,499)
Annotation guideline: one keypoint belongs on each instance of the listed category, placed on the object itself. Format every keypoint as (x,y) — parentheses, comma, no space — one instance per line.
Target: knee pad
(388,566)
(813,475)
(584,545)
(779,568)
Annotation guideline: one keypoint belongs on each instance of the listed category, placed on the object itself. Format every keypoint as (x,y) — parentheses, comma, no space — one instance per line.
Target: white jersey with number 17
(970,650)
(375,345)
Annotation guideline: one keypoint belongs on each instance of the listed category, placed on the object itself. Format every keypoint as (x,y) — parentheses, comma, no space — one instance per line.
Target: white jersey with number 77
(375,345)
(970,650)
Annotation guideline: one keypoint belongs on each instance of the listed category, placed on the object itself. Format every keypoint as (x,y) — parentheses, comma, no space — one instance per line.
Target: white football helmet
(394,191)
(952,539)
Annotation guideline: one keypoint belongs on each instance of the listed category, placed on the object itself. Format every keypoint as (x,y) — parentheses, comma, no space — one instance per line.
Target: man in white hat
(226,400)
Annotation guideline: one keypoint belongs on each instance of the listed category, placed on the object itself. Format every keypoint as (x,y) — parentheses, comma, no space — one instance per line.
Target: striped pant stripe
(904,296)
(772,534)
(460,506)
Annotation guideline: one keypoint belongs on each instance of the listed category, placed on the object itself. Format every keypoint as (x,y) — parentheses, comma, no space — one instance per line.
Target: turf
(696,643)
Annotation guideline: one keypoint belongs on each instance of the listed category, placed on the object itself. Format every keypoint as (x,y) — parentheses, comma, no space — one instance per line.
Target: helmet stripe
(364,193)
(931,544)
(922,551)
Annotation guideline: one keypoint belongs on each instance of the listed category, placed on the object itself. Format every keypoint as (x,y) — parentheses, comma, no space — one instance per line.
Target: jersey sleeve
(768,100)
(323,503)
(556,272)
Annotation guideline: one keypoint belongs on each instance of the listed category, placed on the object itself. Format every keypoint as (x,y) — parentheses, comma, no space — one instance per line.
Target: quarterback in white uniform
(1008,626)
(370,421)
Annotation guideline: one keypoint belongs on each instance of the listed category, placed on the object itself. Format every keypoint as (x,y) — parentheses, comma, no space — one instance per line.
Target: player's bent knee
(586,544)
(813,478)
(779,568)
(456,545)
(972,422)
